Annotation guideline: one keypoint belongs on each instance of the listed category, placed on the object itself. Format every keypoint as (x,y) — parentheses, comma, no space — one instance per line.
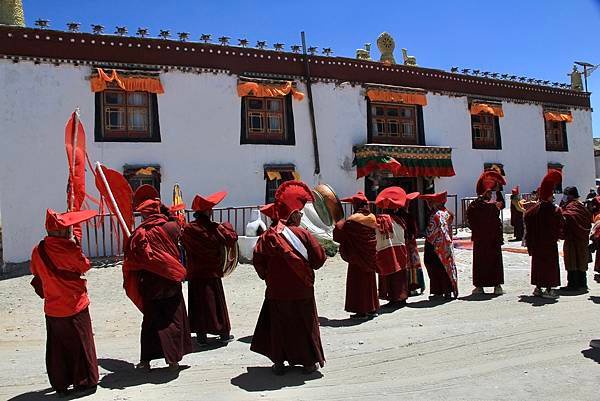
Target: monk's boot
(307,370)
(571,281)
(225,338)
(498,290)
(278,369)
(477,291)
(202,340)
(143,366)
(359,316)
(583,280)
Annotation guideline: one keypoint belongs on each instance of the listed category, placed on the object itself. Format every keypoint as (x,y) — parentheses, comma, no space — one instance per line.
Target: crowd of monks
(380,249)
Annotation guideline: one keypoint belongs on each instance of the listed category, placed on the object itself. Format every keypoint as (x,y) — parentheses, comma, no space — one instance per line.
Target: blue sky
(535,38)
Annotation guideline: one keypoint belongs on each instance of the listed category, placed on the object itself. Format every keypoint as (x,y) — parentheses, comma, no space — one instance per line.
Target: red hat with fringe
(291,196)
(143,193)
(549,183)
(61,221)
(148,207)
(269,211)
(357,199)
(391,198)
(488,180)
(440,197)
(201,204)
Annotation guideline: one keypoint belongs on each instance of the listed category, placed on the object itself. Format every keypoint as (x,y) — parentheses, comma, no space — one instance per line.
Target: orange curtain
(129,84)
(556,116)
(378,95)
(264,90)
(478,108)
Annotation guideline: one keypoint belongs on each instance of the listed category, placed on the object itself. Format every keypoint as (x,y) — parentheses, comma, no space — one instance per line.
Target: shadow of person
(592,353)
(349,322)
(536,301)
(479,297)
(572,293)
(50,394)
(123,374)
(245,340)
(429,303)
(209,346)
(595,299)
(261,378)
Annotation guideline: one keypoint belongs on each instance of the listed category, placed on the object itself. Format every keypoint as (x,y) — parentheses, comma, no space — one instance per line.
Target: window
(267,120)
(394,124)
(275,175)
(140,175)
(556,136)
(485,130)
(126,116)
(559,167)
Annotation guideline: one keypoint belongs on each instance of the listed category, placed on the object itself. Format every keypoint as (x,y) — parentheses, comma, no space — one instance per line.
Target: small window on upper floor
(138,175)
(394,124)
(485,129)
(556,132)
(267,121)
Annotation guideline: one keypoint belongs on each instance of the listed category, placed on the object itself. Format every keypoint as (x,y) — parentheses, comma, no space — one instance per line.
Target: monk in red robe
(356,236)
(439,252)
(57,264)
(152,274)
(392,252)
(578,224)
(516,214)
(204,242)
(286,256)
(483,218)
(544,223)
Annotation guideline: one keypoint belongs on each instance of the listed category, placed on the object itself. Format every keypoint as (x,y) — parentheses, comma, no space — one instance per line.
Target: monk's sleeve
(259,259)
(227,233)
(36,282)
(316,253)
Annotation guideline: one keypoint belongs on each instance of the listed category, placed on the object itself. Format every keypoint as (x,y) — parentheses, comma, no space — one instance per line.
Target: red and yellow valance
(558,116)
(493,109)
(380,95)
(268,90)
(128,84)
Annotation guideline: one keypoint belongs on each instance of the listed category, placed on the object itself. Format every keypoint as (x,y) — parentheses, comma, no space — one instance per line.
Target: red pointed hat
(440,197)
(60,221)
(148,207)
(291,196)
(488,180)
(201,204)
(269,211)
(412,195)
(391,198)
(356,199)
(549,183)
(144,192)
(516,190)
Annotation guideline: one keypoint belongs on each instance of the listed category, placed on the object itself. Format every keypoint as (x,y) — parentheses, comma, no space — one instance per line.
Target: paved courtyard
(512,347)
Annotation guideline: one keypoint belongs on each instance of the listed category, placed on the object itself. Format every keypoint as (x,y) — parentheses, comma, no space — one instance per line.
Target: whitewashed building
(205,130)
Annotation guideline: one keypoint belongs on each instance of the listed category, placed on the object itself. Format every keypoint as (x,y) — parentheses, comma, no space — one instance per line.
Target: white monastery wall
(200,143)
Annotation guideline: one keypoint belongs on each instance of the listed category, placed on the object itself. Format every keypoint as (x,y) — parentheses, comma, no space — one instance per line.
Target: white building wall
(200,143)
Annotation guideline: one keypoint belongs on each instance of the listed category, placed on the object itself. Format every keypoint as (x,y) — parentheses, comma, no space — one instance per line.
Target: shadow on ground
(432,302)
(594,299)
(123,374)
(536,301)
(47,394)
(348,322)
(245,340)
(479,297)
(592,353)
(262,379)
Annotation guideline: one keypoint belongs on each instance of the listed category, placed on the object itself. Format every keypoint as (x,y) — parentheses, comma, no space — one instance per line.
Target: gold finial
(408,60)
(386,46)
(576,83)
(11,12)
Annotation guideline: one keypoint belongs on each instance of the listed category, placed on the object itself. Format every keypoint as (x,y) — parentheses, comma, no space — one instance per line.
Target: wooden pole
(71,198)
(112,200)
(311,107)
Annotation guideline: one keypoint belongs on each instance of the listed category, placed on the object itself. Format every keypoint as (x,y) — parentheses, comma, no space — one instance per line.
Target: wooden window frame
(416,121)
(263,137)
(561,146)
(103,134)
(286,171)
(496,144)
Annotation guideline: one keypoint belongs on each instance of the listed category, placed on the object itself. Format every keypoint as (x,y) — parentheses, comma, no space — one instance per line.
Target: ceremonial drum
(230,258)
(327,204)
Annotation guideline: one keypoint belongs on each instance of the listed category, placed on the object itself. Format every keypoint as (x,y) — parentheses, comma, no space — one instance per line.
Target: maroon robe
(578,222)
(483,218)
(153,278)
(516,220)
(394,287)
(544,223)
(358,242)
(204,241)
(288,325)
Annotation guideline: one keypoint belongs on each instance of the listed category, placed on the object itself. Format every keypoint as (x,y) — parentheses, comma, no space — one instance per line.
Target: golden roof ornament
(408,60)
(11,13)
(386,46)
(364,54)
(576,83)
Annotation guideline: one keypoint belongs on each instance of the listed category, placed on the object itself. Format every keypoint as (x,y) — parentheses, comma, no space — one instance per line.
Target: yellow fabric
(273,175)
(296,176)
(145,171)
(379,95)
(264,90)
(478,108)
(556,116)
(128,84)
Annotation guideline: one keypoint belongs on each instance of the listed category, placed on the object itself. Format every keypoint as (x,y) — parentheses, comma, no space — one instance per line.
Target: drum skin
(326,198)
(230,258)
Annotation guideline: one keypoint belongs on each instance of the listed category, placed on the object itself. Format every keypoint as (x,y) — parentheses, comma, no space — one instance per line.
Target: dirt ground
(512,347)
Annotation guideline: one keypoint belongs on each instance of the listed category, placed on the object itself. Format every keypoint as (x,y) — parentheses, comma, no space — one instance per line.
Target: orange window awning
(268,90)
(126,83)
(493,109)
(558,116)
(380,95)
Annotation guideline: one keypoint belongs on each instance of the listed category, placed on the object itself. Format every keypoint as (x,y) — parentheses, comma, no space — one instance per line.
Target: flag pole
(112,200)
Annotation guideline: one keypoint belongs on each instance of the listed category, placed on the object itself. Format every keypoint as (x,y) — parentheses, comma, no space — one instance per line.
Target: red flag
(121,192)
(75,147)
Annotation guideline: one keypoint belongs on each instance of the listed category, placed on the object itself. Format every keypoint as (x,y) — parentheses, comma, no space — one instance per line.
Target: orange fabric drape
(264,90)
(556,116)
(477,108)
(129,84)
(379,95)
